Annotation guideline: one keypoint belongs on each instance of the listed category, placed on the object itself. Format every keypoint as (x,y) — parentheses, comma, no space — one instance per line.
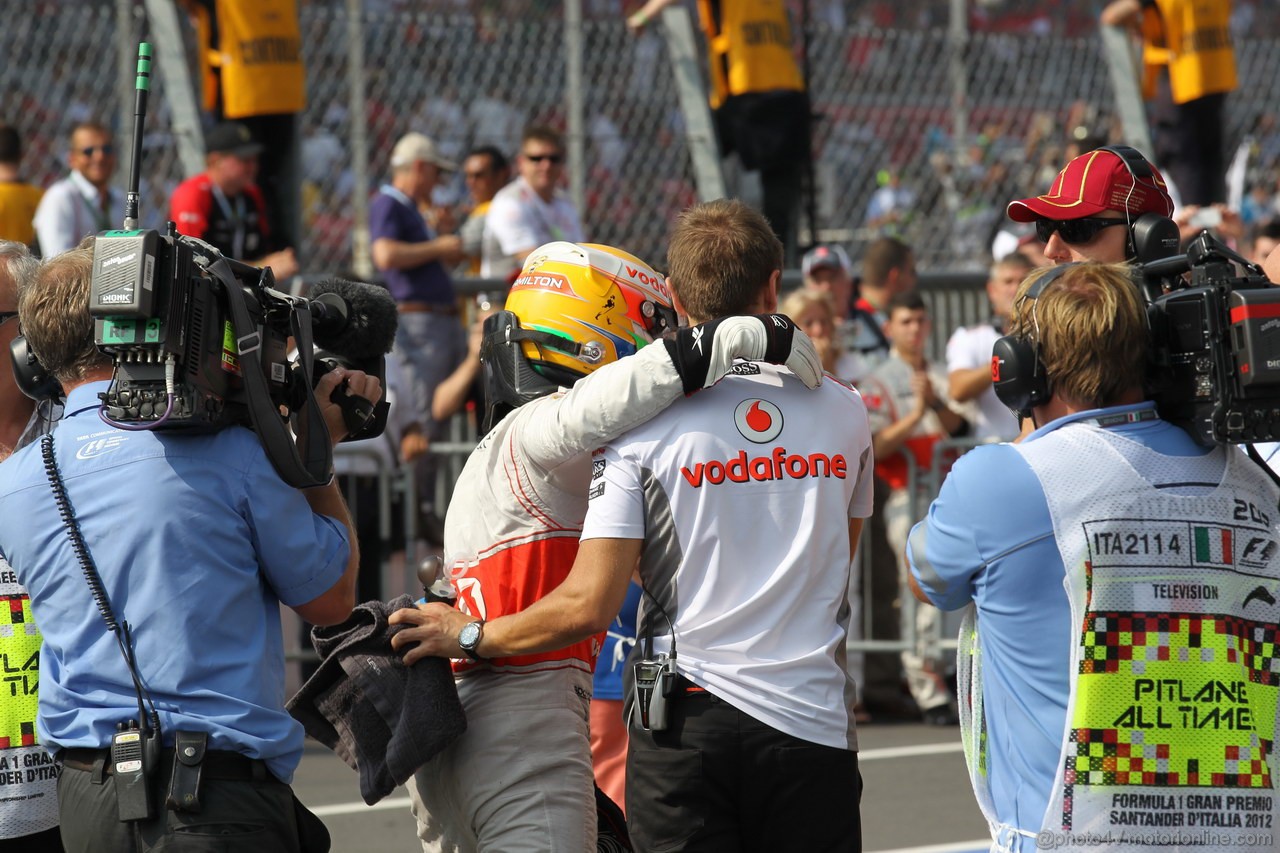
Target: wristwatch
(469,638)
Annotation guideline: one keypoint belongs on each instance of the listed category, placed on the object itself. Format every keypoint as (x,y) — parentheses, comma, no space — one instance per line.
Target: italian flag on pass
(1213,545)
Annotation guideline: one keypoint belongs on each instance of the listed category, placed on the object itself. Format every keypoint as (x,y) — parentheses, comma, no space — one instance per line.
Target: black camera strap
(312,467)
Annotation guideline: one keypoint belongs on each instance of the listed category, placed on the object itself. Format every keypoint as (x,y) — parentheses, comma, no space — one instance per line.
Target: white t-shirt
(519,221)
(743,495)
(970,347)
(71,210)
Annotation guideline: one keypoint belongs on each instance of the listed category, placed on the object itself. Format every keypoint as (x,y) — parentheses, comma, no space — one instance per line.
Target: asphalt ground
(916,797)
(916,794)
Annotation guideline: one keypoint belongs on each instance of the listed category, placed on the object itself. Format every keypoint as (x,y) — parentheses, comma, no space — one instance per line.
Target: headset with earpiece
(1152,236)
(1017,373)
(29,374)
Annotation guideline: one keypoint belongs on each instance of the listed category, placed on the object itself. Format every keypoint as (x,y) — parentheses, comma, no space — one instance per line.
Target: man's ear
(675,302)
(770,294)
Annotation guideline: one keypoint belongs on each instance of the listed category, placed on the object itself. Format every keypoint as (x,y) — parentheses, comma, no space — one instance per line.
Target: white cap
(416,147)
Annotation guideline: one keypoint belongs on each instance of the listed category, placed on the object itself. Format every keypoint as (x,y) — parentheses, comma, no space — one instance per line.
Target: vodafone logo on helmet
(758,420)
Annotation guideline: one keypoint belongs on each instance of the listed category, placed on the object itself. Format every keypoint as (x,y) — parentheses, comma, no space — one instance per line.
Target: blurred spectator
(252,70)
(1266,237)
(430,341)
(531,210)
(969,354)
(464,388)
(224,206)
(888,268)
(891,204)
(909,411)
(324,159)
(486,171)
(827,269)
(758,98)
(608,717)
(29,810)
(84,202)
(1186,45)
(18,199)
(815,314)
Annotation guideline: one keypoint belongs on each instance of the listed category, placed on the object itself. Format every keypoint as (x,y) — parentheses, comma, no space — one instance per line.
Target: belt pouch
(188,765)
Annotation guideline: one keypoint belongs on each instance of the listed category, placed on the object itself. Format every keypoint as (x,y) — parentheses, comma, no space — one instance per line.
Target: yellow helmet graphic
(573,308)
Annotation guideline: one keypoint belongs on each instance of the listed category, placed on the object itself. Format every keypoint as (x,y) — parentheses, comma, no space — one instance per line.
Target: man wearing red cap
(1090,211)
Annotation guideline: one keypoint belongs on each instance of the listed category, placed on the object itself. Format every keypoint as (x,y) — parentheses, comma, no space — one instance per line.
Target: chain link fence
(924,129)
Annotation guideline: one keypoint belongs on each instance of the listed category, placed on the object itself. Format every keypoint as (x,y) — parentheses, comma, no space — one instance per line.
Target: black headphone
(1151,236)
(29,374)
(1017,373)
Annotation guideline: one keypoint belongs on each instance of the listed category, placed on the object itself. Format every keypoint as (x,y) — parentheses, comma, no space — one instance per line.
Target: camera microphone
(354,320)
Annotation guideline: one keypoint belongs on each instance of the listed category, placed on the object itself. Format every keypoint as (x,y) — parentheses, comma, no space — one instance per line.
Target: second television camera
(1215,344)
(200,341)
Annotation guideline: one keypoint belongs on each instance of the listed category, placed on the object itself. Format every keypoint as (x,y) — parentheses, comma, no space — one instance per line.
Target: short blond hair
(721,255)
(1089,328)
(53,308)
(802,299)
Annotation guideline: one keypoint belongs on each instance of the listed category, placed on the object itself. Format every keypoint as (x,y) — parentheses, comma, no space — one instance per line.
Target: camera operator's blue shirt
(988,538)
(197,541)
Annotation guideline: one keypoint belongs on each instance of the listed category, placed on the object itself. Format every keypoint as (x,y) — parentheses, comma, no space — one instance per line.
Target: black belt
(218,764)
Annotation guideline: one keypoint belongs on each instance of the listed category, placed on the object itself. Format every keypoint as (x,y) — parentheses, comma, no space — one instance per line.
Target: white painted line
(864,755)
(979,846)
(909,751)
(356,808)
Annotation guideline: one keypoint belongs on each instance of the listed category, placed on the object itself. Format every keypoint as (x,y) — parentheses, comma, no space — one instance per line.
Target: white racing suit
(519,778)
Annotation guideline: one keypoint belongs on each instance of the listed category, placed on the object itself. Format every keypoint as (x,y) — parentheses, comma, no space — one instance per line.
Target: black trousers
(719,780)
(1193,148)
(237,817)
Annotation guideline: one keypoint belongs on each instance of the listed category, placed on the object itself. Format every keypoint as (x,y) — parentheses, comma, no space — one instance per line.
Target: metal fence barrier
(941,111)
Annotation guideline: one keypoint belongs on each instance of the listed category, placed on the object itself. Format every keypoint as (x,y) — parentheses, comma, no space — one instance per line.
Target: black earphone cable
(149,720)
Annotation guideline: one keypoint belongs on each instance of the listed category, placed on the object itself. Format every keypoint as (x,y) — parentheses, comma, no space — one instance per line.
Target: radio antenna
(141,88)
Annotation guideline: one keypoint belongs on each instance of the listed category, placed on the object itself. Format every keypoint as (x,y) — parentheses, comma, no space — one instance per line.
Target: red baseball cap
(1091,183)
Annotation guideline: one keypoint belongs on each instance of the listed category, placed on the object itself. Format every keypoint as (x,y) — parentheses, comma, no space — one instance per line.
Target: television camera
(1215,344)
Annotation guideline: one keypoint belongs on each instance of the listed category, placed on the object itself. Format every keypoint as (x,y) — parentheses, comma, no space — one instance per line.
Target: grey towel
(381,717)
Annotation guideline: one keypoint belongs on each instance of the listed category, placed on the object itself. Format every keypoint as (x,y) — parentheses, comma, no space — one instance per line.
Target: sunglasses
(1074,232)
(538,158)
(476,175)
(107,150)
(6,316)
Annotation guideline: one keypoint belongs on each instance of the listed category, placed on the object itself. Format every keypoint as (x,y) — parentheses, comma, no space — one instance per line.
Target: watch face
(469,636)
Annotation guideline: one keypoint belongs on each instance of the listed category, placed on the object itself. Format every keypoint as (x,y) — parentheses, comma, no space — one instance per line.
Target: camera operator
(1095,193)
(197,541)
(1134,556)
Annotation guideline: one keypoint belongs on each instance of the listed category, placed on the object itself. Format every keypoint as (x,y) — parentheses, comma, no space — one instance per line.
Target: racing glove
(704,354)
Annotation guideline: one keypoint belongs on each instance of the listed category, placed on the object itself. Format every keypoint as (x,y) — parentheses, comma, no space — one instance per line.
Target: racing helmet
(574,308)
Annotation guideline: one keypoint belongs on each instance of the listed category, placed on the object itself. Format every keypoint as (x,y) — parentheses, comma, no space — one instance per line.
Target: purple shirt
(393,215)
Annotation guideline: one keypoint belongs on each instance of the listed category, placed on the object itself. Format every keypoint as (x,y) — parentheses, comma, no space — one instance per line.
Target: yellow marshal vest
(749,48)
(1193,40)
(258,57)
